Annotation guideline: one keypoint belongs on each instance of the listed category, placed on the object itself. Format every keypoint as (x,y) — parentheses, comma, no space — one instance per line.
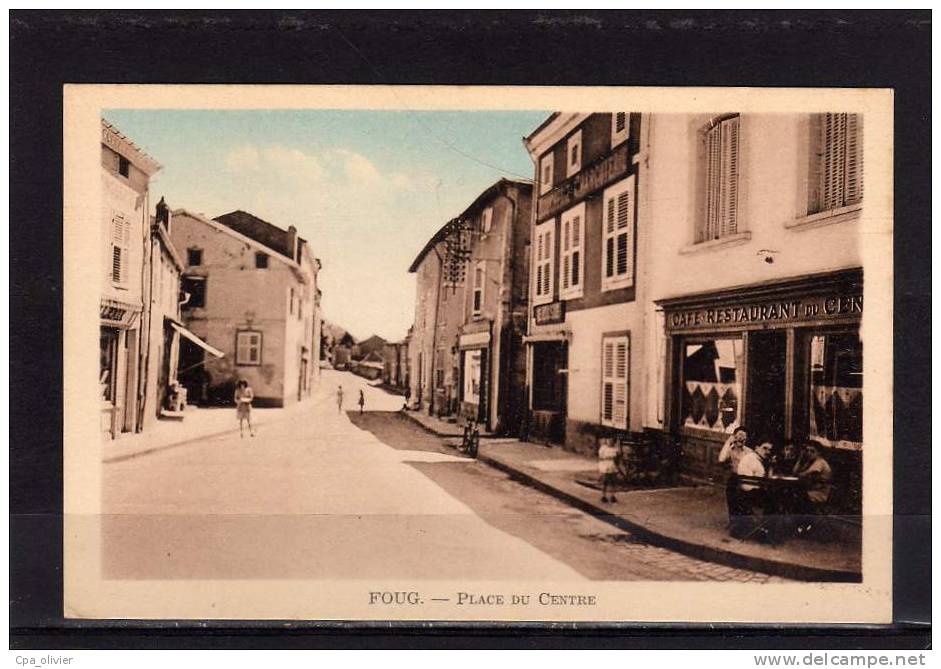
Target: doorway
(767,386)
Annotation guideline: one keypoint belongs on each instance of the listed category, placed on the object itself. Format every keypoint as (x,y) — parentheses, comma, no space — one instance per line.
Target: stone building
(252,294)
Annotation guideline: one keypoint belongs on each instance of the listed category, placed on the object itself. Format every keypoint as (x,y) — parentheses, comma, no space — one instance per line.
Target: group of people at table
(793,490)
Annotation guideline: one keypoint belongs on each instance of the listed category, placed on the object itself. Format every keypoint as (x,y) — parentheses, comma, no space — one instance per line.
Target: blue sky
(366,188)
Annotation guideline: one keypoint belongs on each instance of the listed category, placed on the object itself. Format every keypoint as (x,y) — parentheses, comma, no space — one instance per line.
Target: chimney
(292,242)
(163,214)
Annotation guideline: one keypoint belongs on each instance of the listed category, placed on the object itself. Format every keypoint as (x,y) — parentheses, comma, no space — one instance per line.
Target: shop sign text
(782,311)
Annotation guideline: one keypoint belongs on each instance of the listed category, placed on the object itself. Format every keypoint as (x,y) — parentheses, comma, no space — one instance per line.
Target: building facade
(585,343)
(253,295)
(755,279)
(125,237)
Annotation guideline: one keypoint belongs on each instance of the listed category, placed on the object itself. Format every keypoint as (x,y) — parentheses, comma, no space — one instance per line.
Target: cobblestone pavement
(590,546)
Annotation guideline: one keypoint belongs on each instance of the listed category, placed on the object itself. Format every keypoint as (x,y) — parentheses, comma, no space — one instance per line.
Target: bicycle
(470,442)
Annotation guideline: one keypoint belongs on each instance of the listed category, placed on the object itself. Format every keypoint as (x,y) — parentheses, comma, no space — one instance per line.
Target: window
(546,173)
(196,287)
(836,178)
(486,220)
(615,363)
(194,257)
(618,225)
(711,388)
(573,152)
(836,390)
(120,249)
(480,278)
(472,368)
(291,304)
(124,166)
(543,280)
(721,172)
(261,260)
(106,375)
(248,348)
(619,128)
(571,256)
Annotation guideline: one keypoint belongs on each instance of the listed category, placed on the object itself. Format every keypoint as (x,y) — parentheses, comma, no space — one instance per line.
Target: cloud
(358,167)
(276,160)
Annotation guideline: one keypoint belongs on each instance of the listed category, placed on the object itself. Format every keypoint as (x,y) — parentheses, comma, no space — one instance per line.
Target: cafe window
(836,390)
(711,387)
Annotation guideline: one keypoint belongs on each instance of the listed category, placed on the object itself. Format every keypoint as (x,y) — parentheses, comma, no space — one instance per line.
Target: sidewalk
(198,423)
(690,520)
(438,427)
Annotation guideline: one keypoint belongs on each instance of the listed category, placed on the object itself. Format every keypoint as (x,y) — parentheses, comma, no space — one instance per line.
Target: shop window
(836,171)
(711,387)
(248,348)
(618,225)
(619,128)
(836,390)
(573,151)
(194,257)
(721,175)
(546,173)
(571,255)
(106,380)
(196,287)
(472,360)
(542,267)
(615,365)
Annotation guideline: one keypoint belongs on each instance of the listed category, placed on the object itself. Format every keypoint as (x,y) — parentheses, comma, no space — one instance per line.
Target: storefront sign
(474,340)
(591,178)
(117,314)
(778,312)
(545,314)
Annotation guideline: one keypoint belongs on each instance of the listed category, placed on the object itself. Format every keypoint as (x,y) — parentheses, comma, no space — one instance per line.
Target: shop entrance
(767,386)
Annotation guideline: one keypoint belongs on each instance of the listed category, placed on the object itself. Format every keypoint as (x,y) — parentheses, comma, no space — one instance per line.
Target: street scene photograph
(403,347)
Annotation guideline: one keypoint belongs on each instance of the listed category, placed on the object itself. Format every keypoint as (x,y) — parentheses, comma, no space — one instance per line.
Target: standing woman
(243,406)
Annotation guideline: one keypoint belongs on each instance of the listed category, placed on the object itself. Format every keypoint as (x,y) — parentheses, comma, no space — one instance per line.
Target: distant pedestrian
(362,401)
(607,457)
(243,406)
(408,396)
(339,399)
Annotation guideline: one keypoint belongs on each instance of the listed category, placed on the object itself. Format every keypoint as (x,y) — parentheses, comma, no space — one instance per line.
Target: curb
(699,551)
(443,435)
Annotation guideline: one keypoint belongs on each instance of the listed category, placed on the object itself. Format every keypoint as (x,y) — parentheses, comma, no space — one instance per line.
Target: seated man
(749,495)
(815,473)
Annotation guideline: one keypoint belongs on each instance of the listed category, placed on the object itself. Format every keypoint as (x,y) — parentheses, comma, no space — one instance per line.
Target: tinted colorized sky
(366,189)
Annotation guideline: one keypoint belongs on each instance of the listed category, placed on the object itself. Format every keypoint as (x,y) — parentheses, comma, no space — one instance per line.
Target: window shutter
(854,159)
(710,228)
(620,385)
(607,404)
(120,245)
(620,122)
(615,368)
(576,254)
(818,150)
(566,262)
(729,224)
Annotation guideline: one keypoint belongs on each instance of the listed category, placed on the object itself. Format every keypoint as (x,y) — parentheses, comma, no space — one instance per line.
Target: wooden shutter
(120,248)
(854,159)
(721,180)
(576,254)
(614,389)
(620,122)
(618,250)
(836,170)
(566,270)
(729,223)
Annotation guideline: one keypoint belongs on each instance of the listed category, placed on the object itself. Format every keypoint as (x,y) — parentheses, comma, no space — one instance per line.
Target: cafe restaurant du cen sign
(767,314)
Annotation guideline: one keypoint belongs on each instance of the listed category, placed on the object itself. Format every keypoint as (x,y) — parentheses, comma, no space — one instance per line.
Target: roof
(478,202)
(261,231)
(542,125)
(118,141)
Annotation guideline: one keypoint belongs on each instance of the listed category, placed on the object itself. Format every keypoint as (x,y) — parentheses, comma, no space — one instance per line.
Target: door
(766,406)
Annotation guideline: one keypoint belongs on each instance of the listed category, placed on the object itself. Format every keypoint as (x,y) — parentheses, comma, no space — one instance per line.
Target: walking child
(243,406)
(607,455)
(362,401)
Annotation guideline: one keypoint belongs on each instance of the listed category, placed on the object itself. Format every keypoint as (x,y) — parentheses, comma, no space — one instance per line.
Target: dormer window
(573,152)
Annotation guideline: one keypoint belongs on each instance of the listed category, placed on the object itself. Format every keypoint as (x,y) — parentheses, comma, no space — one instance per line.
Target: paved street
(340,496)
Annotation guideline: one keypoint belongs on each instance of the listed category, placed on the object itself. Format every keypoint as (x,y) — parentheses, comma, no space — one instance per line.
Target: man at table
(749,496)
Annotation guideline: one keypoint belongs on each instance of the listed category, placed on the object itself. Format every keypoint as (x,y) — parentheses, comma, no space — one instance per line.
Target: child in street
(339,399)
(607,455)
(243,406)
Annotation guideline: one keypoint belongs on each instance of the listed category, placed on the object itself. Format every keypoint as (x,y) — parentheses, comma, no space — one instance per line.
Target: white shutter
(854,159)
(618,239)
(729,223)
(571,281)
(836,171)
(619,128)
(120,248)
(722,145)
(614,388)
(566,257)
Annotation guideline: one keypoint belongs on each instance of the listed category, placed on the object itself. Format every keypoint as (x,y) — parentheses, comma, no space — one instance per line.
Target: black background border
(715,48)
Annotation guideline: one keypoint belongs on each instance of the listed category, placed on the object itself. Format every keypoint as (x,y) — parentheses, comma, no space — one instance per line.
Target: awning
(196,340)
